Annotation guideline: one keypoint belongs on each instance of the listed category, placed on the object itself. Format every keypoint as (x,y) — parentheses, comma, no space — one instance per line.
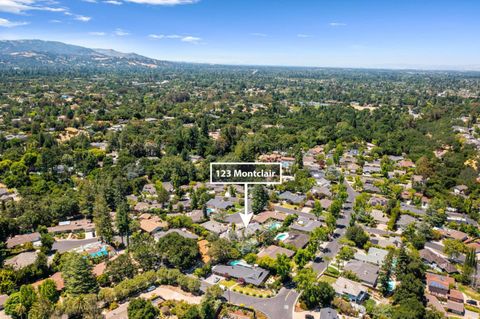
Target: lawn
(328,279)
(250,291)
(290,206)
(227,283)
(469,292)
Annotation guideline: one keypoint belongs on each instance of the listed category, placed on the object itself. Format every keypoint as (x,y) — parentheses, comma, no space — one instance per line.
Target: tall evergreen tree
(102,219)
(259,199)
(77,275)
(122,220)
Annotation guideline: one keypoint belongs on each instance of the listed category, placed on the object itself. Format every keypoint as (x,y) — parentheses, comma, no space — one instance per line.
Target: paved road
(66,245)
(278,307)
(333,247)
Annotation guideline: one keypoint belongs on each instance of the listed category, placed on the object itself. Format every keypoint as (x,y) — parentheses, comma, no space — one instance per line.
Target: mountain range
(21,54)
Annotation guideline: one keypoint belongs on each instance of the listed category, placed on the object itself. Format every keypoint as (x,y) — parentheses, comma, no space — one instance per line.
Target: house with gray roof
(181,232)
(366,272)
(305,224)
(350,289)
(405,220)
(328,313)
(273,252)
(220,203)
(297,239)
(412,209)
(374,256)
(215,227)
(249,274)
(291,197)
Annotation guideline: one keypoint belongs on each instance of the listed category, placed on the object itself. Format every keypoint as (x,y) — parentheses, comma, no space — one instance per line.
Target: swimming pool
(238,263)
(275,225)
(391,285)
(281,236)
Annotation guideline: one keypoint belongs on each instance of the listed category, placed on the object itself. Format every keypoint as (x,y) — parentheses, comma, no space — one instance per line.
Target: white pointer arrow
(246,217)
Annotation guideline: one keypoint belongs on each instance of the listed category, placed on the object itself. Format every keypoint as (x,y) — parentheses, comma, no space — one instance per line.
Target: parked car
(472,302)
(309,317)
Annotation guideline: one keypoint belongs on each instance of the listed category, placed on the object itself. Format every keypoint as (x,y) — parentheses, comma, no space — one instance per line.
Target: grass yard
(227,283)
(328,279)
(469,292)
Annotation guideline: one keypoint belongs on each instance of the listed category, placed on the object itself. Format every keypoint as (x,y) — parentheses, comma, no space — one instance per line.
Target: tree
(140,308)
(283,267)
(385,274)
(145,251)
(357,235)
(259,199)
(317,208)
(46,239)
(410,308)
(77,275)
(122,220)
(453,247)
(19,304)
(302,257)
(82,306)
(102,219)
(314,293)
(346,253)
(48,291)
(410,287)
(162,194)
(222,250)
(178,251)
(121,268)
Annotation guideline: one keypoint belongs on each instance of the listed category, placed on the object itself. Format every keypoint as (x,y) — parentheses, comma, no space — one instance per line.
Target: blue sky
(341,33)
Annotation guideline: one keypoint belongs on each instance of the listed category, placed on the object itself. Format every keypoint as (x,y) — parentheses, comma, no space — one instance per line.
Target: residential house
(436,261)
(374,256)
(269,215)
(455,307)
(292,198)
(151,223)
(297,239)
(350,289)
(273,252)
(305,224)
(245,274)
(18,240)
(182,232)
(328,313)
(439,285)
(215,227)
(22,260)
(366,272)
(219,203)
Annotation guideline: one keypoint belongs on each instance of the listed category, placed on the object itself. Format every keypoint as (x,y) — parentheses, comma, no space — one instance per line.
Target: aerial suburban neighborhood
(244,160)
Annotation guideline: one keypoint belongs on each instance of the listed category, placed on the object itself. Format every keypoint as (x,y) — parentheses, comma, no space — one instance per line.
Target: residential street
(333,247)
(278,307)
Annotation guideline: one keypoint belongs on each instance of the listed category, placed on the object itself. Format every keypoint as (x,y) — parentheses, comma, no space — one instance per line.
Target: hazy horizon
(432,35)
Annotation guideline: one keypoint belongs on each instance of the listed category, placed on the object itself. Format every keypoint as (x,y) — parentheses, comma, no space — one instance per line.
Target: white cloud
(156,36)
(183,38)
(20,6)
(302,35)
(121,33)
(82,18)
(55,21)
(191,39)
(10,24)
(114,2)
(164,2)
(257,34)
(99,34)
(337,24)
